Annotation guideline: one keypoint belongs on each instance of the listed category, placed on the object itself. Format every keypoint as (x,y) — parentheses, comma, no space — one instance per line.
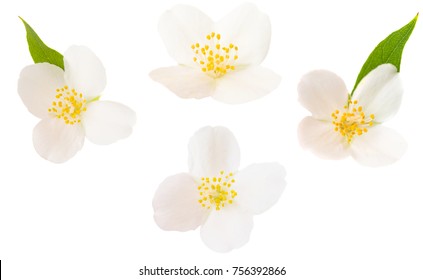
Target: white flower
(67,104)
(214,194)
(340,127)
(220,59)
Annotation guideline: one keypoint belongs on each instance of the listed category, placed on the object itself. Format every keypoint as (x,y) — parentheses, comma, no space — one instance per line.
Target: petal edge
(378,147)
(322,92)
(175,204)
(106,122)
(227,229)
(37,87)
(211,150)
(259,186)
(246,85)
(380,92)
(248,28)
(55,141)
(319,137)
(185,82)
(182,26)
(84,71)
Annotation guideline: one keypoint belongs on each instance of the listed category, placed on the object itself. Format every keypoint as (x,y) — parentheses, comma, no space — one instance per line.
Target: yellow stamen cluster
(216,191)
(68,105)
(213,58)
(353,121)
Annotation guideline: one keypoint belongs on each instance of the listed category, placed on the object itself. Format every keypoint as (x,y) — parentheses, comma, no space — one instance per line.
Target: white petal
(211,150)
(56,141)
(245,85)
(321,139)
(322,92)
(380,146)
(176,204)
(84,71)
(380,92)
(182,26)
(37,87)
(227,229)
(249,29)
(186,82)
(106,122)
(259,186)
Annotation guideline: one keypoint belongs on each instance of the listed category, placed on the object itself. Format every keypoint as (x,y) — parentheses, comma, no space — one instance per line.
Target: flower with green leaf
(344,124)
(64,92)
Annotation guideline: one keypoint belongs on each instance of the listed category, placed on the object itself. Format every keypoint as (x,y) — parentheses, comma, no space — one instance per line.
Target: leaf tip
(414,20)
(25,23)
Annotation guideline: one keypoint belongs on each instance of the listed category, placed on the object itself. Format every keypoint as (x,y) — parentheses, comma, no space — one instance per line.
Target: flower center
(353,121)
(216,191)
(68,105)
(214,59)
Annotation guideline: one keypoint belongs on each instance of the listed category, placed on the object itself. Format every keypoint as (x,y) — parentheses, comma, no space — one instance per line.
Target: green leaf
(40,52)
(388,51)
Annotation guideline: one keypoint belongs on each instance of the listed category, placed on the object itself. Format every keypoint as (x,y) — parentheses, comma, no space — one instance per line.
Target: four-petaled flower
(220,59)
(214,194)
(342,126)
(67,104)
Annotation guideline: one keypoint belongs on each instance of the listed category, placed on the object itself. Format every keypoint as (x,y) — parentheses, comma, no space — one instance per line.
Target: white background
(91,218)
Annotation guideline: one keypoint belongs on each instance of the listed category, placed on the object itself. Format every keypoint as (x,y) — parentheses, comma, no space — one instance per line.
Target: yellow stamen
(352,122)
(214,59)
(217,195)
(68,105)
